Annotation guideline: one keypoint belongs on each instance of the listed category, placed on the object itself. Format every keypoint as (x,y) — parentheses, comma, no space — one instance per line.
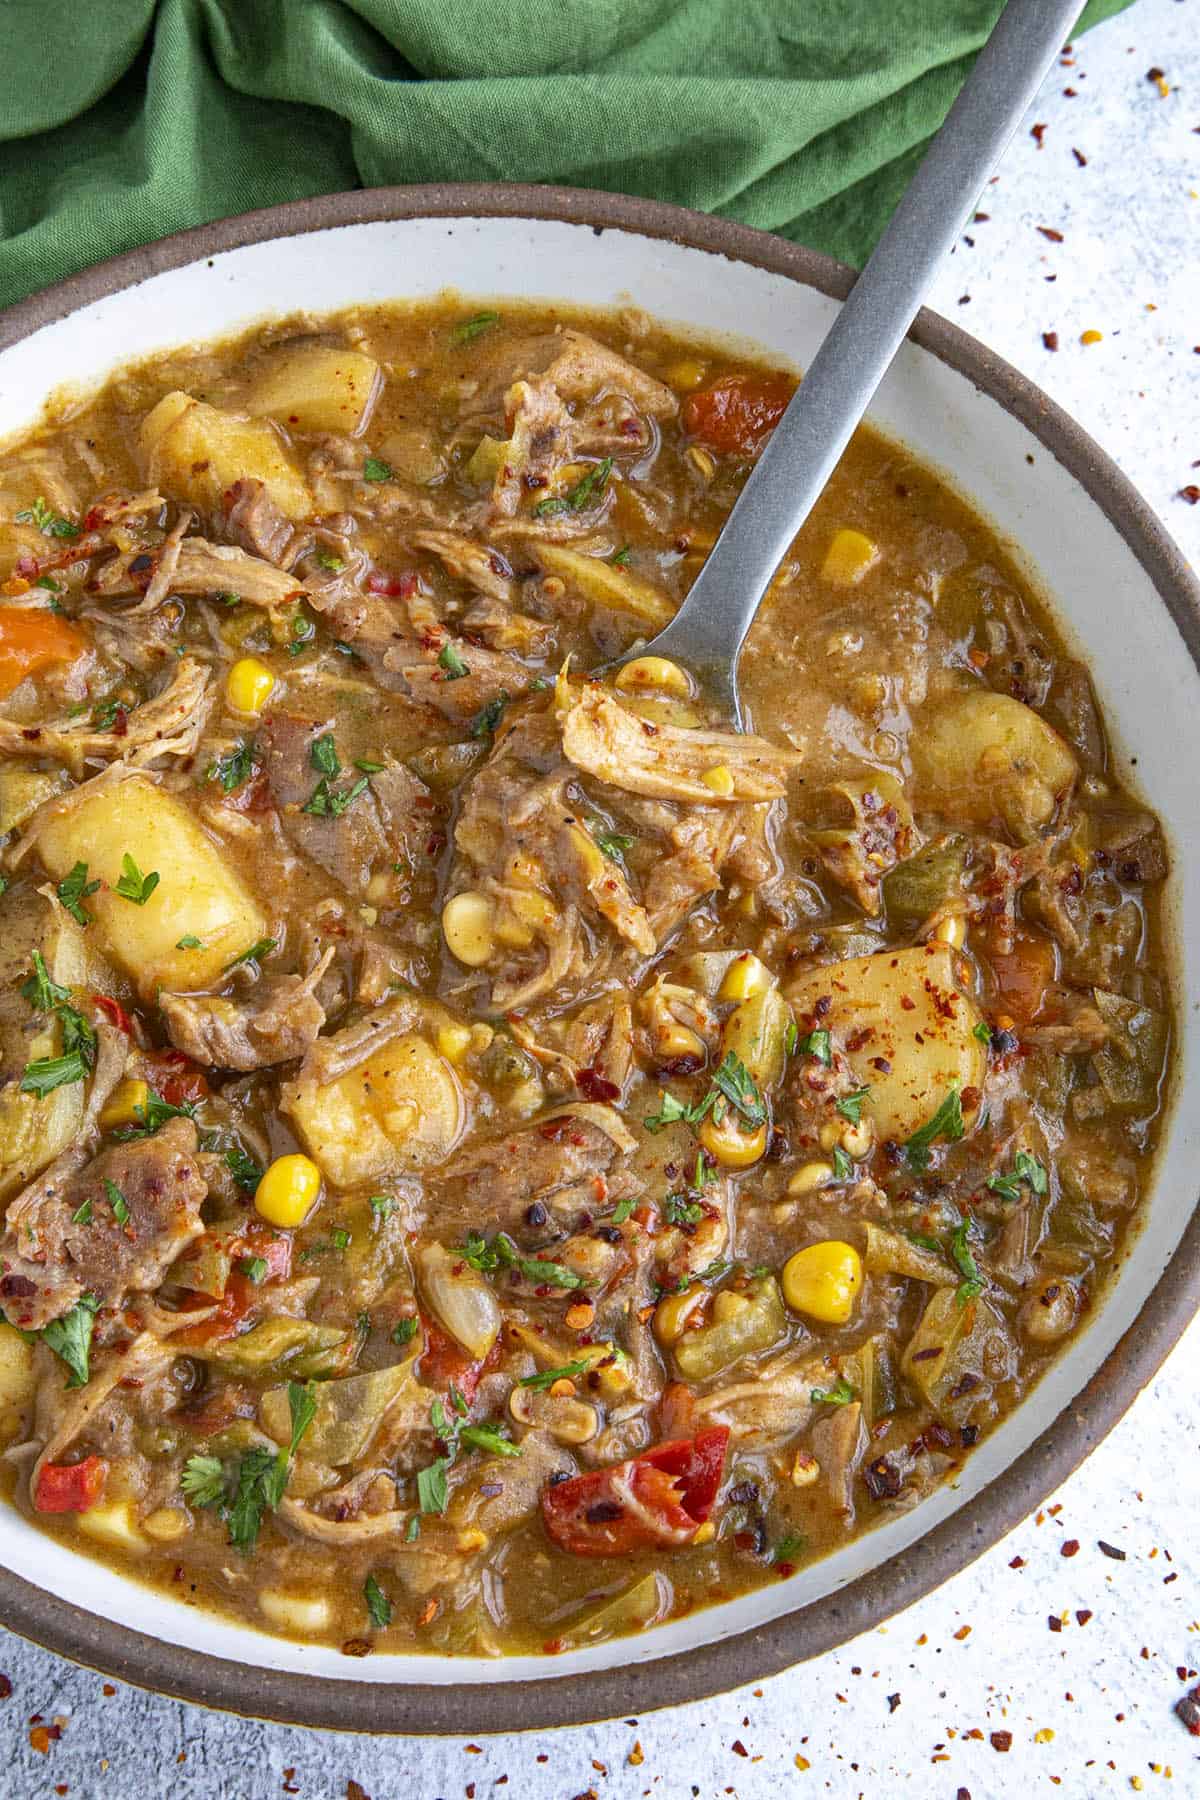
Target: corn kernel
(1091,337)
(656,674)
(858,1139)
(471,1540)
(850,555)
(719,780)
(705,1533)
(810,1177)
(952,931)
(248,685)
(744,978)
(288,1191)
(453,1041)
(823,1281)
(830,1133)
(702,460)
(166,1523)
(126,1105)
(672,1313)
(732,1147)
(467,929)
(112,1523)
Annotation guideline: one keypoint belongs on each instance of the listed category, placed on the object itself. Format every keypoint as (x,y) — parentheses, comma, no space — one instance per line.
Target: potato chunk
(400,1109)
(198,894)
(17,1383)
(985,756)
(195,451)
(905,1010)
(317,387)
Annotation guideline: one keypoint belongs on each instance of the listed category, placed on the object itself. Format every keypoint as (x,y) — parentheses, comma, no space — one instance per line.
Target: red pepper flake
(1071,93)
(1070,1548)
(1018,1562)
(1188,1709)
(356,1791)
(738,1748)
(473,1749)
(42,1736)
(637,1755)
(5,1688)
(1190,493)
(1080,158)
(1048,231)
(1001,1740)
(1038,134)
(1050,340)
(1054,1622)
(1110,1550)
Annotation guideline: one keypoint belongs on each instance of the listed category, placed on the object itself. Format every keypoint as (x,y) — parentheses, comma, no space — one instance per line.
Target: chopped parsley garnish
(133,885)
(983,1032)
(502,1253)
(1025,1168)
(340,1238)
(368,765)
(679,1210)
(972,1281)
(257,1482)
(623,1208)
(840,1394)
(818,1044)
(947,1123)
(117,1201)
(488,717)
(433,1490)
(48,522)
(735,1082)
(620,557)
(404,1330)
(83,1214)
(304,630)
(330,803)
(614,844)
(546,1378)
(154,1115)
(375,469)
(382,1206)
(189,941)
(334,564)
(432,1487)
(105,715)
(474,327)
(235,768)
(254,1268)
(492,1439)
(413,1529)
(74,888)
(672,1111)
(850,1105)
(452,662)
(788,1547)
(587,489)
(324,757)
(50,1072)
(843,1167)
(713,1271)
(70,1338)
(40,992)
(379,1607)
(245,1171)
(255,954)
(791,1038)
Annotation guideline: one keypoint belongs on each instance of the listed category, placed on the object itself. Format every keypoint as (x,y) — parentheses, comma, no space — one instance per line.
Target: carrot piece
(32,639)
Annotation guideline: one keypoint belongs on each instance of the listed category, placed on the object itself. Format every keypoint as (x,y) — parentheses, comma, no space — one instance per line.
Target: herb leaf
(488,717)
(133,885)
(818,1044)
(472,328)
(70,1338)
(545,1378)
(235,768)
(432,1488)
(323,755)
(960,1250)
(254,954)
(48,522)
(679,1210)
(489,1438)
(581,495)
(117,1201)
(50,1072)
(379,1607)
(734,1080)
(42,993)
(452,662)
(840,1394)
(203,1480)
(850,1105)
(375,469)
(74,888)
(947,1123)
(843,1167)
(612,843)
(1025,1168)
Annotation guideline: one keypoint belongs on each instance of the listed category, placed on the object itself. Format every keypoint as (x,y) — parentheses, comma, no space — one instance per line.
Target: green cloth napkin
(126,119)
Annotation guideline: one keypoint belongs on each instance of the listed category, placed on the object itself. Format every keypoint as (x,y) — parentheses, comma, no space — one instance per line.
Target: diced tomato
(395,587)
(70,1487)
(116,1012)
(1023,974)
(33,639)
(738,413)
(659,1500)
(444,1363)
(242,1296)
(176,1078)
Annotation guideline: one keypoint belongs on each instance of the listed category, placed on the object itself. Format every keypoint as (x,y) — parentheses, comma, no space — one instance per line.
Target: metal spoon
(707,633)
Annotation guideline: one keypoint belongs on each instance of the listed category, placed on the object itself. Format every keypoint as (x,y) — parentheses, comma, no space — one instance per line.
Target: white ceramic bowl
(1120,589)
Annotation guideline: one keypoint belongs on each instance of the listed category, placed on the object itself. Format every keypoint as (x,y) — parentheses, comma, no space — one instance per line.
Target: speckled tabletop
(1039,1667)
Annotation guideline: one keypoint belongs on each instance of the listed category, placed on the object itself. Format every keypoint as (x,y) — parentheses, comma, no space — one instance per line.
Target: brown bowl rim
(476,1708)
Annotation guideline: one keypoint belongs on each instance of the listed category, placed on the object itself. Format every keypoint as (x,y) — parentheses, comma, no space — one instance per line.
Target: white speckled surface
(909,1709)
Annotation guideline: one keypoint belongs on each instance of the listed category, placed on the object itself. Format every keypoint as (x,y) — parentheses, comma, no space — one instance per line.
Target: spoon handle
(838,386)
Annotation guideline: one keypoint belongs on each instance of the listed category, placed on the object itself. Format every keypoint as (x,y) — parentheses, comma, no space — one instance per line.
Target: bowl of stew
(517,1196)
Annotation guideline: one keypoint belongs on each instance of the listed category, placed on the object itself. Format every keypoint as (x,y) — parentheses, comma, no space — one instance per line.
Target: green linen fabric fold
(127,119)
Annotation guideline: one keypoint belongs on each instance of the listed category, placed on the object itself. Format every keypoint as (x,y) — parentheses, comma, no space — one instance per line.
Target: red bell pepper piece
(242,1296)
(738,413)
(70,1487)
(113,1010)
(655,1501)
